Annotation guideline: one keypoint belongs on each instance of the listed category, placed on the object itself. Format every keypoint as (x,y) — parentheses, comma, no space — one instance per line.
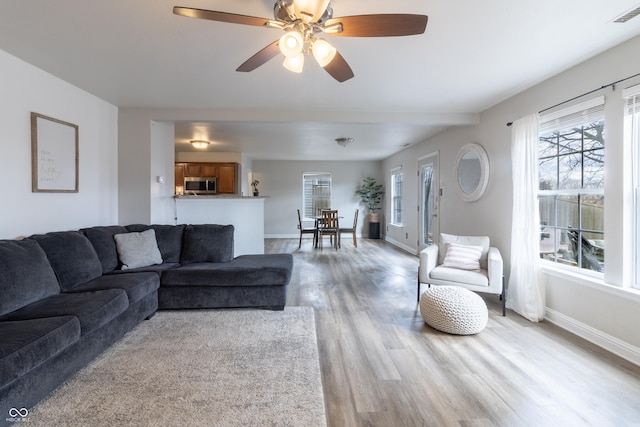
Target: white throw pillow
(462,257)
(138,249)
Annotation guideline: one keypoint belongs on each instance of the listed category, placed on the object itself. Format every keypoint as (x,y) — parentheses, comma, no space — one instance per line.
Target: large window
(316,196)
(571,186)
(632,135)
(396,196)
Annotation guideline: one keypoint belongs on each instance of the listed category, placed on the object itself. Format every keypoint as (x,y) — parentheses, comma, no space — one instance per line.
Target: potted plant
(254,184)
(371,194)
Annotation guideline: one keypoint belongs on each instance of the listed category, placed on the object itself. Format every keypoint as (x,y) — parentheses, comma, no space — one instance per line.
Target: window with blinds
(316,188)
(396,196)
(632,137)
(571,177)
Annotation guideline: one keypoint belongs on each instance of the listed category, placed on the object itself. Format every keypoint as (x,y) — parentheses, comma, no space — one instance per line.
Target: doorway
(429,200)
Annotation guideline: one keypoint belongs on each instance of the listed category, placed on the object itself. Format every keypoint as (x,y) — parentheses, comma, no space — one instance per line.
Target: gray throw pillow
(138,249)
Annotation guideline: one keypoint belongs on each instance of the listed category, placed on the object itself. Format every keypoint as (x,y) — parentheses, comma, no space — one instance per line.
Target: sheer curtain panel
(526,295)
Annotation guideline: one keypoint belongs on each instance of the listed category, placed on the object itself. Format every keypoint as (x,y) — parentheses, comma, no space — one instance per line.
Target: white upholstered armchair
(466,261)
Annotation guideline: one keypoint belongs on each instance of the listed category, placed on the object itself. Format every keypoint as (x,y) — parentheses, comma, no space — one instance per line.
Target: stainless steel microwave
(200,185)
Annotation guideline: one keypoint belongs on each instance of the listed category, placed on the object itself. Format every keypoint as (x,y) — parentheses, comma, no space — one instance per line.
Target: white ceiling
(473,55)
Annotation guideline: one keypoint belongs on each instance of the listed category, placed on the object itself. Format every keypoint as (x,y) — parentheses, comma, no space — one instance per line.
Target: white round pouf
(453,310)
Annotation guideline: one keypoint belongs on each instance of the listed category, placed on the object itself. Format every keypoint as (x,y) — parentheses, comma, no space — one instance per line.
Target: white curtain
(525,293)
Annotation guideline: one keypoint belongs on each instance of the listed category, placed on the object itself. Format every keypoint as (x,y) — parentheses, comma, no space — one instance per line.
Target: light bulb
(291,44)
(310,10)
(295,63)
(323,52)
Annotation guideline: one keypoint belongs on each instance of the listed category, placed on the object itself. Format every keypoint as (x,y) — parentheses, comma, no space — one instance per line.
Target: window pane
(548,146)
(570,140)
(570,171)
(396,213)
(317,193)
(548,174)
(594,169)
(547,211)
(568,212)
(587,249)
(592,211)
(594,136)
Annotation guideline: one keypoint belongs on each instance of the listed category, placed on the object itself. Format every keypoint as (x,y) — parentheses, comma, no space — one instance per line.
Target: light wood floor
(382,366)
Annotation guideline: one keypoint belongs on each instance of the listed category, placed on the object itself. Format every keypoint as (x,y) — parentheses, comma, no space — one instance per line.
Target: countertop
(218,197)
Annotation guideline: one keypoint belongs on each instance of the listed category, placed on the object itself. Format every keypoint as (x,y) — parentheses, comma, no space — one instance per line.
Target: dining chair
(350,230)
(329,225)
(306,230)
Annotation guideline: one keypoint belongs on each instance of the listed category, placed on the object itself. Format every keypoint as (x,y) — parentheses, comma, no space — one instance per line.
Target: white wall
(162,161)
(604,313)
(23,89)
(281,183)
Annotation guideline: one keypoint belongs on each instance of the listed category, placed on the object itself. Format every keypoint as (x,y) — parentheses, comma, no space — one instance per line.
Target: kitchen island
(245,213)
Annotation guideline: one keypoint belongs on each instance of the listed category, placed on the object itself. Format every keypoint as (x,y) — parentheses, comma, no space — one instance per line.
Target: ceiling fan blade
(260,58)
(339,69)
(383,25)
(220,16)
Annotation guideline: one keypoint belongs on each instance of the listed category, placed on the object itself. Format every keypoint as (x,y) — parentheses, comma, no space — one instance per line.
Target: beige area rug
(199,368)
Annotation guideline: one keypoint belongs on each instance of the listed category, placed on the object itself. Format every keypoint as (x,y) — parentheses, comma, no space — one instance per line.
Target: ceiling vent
(627,16)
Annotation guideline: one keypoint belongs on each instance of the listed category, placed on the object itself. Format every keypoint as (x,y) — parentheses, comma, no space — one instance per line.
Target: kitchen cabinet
(193,169)
(227,178)
(178,175)
(226,174)
(208,169)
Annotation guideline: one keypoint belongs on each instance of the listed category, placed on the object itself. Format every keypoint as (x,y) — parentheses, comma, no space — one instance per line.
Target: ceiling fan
(303,21)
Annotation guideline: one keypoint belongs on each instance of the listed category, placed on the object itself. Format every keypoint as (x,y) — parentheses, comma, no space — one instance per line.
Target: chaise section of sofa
(246,281)
(210,277)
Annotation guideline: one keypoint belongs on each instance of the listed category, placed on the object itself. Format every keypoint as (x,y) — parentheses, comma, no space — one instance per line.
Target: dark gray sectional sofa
(65,297)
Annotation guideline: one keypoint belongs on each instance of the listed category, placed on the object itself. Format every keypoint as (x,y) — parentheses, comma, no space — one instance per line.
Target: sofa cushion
(137,249)
(156,268)
(245,270)
(136,285)
(467,277)
(93,309)
(26,344)
(169,238)
(25,275)
(207,243)
(101,237)
(72,257)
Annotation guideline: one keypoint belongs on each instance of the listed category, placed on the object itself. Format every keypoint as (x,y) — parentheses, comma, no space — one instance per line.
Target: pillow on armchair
(482,241)
(463,257)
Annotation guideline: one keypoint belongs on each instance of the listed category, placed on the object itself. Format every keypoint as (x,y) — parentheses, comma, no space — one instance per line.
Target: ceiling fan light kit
(291,44)
(323,52)
(302,20)
(294,63)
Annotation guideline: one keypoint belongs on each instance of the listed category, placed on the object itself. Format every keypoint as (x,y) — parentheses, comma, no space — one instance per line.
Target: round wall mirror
(471,172)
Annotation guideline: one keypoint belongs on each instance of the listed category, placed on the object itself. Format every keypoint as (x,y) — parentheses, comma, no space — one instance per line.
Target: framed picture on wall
(54,155)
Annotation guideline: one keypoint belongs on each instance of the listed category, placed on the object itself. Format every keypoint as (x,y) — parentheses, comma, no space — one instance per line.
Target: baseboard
(402,246)
(306,236)
(595,336)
